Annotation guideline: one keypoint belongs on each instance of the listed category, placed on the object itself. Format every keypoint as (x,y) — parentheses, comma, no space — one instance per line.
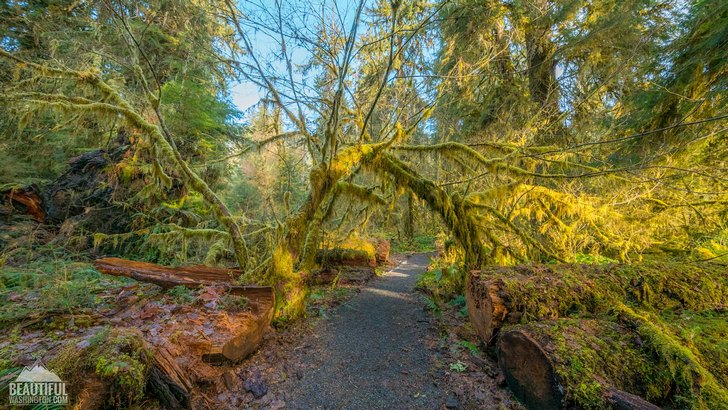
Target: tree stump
(487,309)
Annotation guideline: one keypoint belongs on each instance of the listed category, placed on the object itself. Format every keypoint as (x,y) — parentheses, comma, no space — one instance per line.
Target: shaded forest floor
(378,349)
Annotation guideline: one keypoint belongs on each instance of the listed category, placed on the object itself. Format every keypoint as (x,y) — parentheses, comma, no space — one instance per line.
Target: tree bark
(190,276)
(167,382)
(487,308)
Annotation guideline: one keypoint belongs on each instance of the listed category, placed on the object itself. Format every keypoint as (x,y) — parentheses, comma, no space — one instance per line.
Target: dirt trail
(371,353)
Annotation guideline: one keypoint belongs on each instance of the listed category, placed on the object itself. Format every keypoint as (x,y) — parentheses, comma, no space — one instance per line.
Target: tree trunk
(534,361)
(409,222)
(540,51)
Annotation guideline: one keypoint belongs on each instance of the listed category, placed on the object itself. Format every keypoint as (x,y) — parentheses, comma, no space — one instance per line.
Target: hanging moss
(289,287)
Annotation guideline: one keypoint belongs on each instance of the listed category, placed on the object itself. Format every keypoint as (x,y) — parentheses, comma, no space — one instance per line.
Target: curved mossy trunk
(450,208)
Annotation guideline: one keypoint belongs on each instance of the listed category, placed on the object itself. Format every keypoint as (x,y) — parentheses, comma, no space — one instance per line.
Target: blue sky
(246,94)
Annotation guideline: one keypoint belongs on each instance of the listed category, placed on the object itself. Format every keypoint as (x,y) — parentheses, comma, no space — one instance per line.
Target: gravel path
(371,353)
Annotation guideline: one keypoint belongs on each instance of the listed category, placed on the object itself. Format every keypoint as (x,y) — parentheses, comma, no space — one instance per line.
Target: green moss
(695,386)
(660,331)
(288,285)
(182,295)
(46,287)
(551,291)
(118,356)
(592,355)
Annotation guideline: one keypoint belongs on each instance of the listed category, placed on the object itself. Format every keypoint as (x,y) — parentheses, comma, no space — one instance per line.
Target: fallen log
(167,382)
(251,328)
(581,363)
(499,296)
(346,257)
(191,276)
(486,308)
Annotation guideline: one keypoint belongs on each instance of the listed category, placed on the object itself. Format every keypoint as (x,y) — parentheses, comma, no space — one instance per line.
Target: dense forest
(563,163)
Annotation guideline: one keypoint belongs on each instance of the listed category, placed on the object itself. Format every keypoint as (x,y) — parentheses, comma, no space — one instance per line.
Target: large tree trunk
(533,360)
(540,50)
(497,296)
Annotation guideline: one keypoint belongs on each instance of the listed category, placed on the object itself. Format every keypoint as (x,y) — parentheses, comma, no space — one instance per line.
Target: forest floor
(380,349)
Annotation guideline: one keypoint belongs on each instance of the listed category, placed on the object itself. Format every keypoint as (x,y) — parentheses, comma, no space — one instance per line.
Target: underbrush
(45,287)
(420,243)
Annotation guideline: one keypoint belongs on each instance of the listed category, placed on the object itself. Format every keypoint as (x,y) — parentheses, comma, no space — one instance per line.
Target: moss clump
(119,357)
(289,287)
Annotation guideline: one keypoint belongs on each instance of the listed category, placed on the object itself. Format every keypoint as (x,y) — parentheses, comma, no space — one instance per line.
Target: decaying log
(346,257)
(486,307)
(534,356)
(167,382)
(191,276)
(261,299)
(27,199)
(247,340)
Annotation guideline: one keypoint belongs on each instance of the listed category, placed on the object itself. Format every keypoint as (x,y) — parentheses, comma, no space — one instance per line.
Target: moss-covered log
(347,257)
(521,294)
(582,363)
(117,368)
